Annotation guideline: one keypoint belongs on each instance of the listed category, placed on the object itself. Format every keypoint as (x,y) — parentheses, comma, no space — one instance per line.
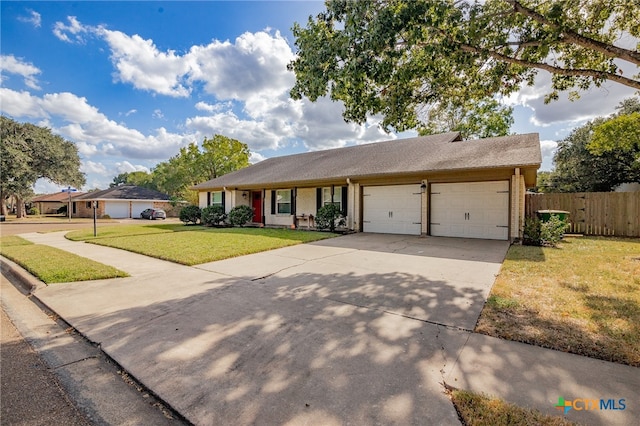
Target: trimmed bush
(330,216)
(240,215)
(190,214)
(213,216)
(531,232)
(549,233)
(33,211)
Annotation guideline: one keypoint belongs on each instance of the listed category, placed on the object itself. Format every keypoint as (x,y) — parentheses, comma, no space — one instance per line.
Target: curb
(28,282)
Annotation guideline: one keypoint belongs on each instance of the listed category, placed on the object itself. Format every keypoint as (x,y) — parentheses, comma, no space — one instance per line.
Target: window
(88,204)
(216,199)
(337,196)
(283,201)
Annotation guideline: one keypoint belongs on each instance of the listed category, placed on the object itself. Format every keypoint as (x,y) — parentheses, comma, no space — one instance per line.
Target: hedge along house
(436,185)
(120,202)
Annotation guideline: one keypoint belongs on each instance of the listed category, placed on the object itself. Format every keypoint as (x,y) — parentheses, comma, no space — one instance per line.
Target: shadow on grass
(607,343)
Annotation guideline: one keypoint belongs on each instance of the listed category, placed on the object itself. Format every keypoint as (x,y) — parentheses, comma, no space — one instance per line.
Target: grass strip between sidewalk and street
(479,410)
(193,245)
(52,265)
(582,297)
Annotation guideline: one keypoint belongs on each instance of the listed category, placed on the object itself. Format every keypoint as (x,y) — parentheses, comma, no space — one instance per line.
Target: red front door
(256,203)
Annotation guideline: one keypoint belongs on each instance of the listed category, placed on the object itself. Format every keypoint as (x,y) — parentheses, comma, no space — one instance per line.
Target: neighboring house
(50,203)
(119,202)
(432,185)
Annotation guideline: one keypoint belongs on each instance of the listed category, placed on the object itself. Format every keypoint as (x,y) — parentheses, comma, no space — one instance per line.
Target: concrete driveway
(359,329)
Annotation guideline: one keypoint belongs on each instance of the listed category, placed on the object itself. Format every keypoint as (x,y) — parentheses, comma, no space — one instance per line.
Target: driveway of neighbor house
(359,329)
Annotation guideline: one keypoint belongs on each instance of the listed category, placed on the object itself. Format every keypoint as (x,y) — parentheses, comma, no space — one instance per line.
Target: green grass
(582,297)
(52,265)
(480,410)
(193,245)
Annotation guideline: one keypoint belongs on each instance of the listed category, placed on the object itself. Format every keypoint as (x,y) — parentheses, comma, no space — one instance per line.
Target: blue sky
(131,82)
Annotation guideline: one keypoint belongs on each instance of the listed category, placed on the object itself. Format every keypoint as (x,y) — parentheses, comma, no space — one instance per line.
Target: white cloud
(251,72)
(34,18)
(127,167)
(595,102)
(548,149)
(157,113)
(89,166)
(140,63)
(13,65)
(45,186)
(256,158)
(131,111)
(92,131)
(220,106)
(71,33)
(20,104)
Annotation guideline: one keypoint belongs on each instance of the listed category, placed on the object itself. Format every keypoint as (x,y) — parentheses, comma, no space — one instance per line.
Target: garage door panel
(392,209)
(117,210)
(470,209)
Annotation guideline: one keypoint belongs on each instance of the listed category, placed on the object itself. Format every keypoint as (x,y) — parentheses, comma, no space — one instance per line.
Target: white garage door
(471,210)
(138,206)
(393,209)
(117,209)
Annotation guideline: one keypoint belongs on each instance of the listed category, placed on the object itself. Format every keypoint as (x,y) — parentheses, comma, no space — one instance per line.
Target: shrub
(531,232)
(190,214)
(552,230)
(240,215)
(329,216)
(33,211)
(538,233)
(105,216)
(213,216)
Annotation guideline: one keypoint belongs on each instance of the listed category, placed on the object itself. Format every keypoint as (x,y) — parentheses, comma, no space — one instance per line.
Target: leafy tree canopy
(219,155)
(28,153)
(579,168)
(397,57)
(138,178)
(482,119)
(620,133)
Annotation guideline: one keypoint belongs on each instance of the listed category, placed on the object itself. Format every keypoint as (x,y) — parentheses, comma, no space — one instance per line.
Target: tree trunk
(4,211)
(20,211)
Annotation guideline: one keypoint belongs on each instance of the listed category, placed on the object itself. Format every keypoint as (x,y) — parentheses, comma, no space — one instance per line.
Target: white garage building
(436,185)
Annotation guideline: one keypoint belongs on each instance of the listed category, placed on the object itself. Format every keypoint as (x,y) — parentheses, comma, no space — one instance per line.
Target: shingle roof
(56,197)
(443,152)
(125,192)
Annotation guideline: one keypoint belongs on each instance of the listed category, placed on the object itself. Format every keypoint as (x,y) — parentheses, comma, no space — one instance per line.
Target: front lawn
(479,410)
(52,265)
(582,297)
(193,245)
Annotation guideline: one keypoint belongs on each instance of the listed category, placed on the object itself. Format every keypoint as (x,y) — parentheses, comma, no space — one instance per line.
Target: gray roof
(125,192)
(443,152)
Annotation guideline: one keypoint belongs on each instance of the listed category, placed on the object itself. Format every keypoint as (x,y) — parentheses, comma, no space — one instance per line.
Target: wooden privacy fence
(593,213)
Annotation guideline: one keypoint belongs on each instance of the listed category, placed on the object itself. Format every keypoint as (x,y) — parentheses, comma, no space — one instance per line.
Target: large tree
(219,155)
(28,153)
(581,168)
(620,133)
(399,58)
(482,119)
(138,178)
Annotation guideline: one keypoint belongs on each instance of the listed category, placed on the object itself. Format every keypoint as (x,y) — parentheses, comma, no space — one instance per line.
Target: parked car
(153,214)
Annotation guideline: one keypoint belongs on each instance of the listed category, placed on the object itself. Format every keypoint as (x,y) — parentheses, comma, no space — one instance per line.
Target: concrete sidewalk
(285,349)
